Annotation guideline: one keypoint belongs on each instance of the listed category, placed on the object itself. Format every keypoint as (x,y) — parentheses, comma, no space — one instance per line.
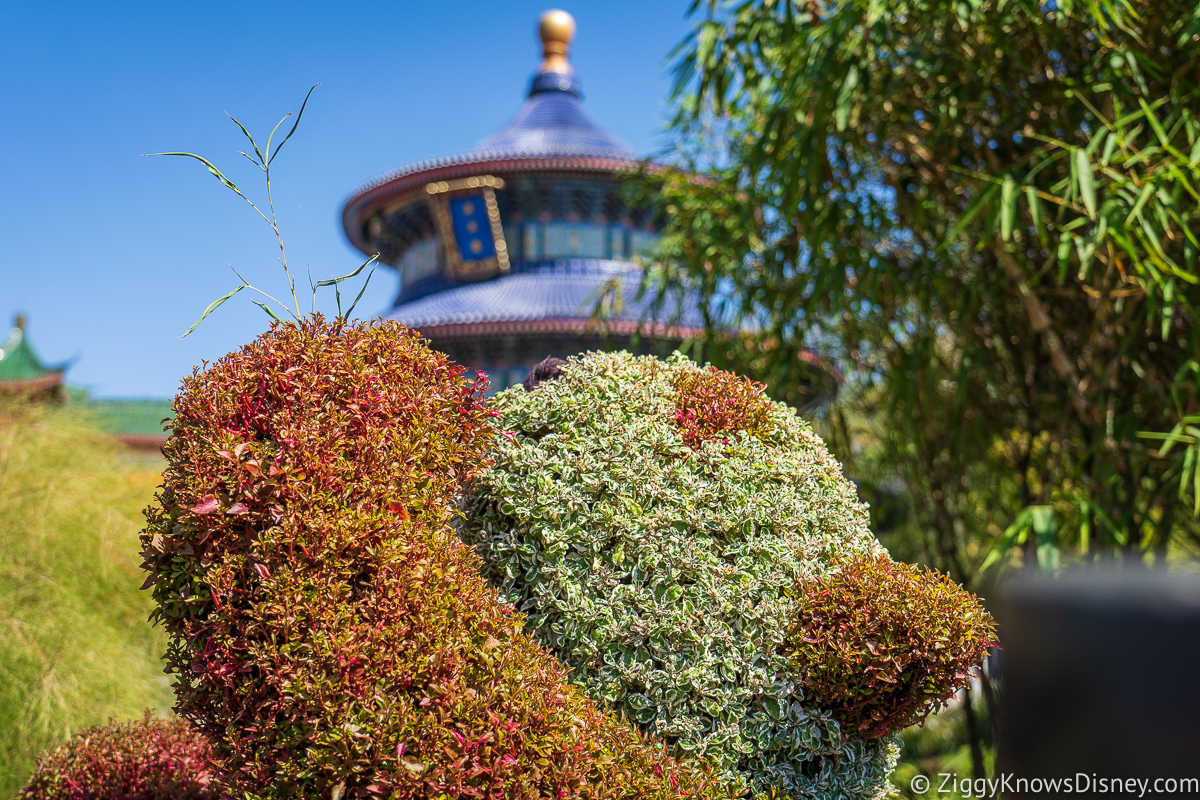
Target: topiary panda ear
(547,369)
(882,644)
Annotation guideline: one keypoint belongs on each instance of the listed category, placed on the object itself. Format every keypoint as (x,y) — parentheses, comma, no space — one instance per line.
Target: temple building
(22,372)
(135,423)
(506,252)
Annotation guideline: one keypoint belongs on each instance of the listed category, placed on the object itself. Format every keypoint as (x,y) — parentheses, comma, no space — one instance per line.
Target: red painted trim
(141,441)
(32,384)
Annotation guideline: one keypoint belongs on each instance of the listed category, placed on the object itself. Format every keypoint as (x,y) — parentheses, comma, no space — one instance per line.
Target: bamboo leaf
(211,168)
(279,146)
(213,306)
(1035,212)
(973,210)
(336,281)
(1020,525)
(1173,437)
(361,291)
(1008,207)
(1155,125)
(1144,195)
(1087,186)
(267,309)
(253,143)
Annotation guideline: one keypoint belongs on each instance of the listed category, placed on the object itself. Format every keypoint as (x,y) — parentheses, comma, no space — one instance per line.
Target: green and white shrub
(656,521)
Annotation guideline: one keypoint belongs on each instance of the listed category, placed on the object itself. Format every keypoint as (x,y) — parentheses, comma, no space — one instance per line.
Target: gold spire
(557,29)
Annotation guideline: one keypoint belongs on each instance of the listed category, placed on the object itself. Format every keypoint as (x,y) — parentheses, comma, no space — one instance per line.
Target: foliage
(262,159)
(329,632)
(711,403)
(986,213)
(938,746)
(147,759)
(75,647)
(883,644)
(664,575)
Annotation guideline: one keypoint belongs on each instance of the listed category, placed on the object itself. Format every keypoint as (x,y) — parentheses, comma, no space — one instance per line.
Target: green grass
(75,646)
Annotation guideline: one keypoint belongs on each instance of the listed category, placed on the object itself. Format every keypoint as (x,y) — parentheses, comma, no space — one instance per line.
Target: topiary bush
(329,632)
(656,522)
(147,759)
(883,644)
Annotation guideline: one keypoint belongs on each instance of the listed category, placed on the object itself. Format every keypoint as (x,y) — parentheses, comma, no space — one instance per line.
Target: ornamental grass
(75,646)
(329,633)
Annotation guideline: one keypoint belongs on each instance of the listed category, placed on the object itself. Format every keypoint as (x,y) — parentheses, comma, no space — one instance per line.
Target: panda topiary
(653,520)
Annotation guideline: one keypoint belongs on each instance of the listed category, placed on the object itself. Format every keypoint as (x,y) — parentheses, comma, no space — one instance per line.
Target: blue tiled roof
(534,291)
(552,123)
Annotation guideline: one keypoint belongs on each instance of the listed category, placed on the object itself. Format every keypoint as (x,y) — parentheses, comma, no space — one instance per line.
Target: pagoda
(22,372)
(506,253)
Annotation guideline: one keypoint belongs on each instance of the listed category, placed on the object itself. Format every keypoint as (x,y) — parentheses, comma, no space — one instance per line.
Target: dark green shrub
(329,632)
(883,644)
(653,519)
(148,759)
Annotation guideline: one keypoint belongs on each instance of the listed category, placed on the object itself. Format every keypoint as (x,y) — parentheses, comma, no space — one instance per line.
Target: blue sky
(112,255)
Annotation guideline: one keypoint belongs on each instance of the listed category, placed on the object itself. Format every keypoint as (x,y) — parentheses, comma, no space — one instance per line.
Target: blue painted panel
(472,230)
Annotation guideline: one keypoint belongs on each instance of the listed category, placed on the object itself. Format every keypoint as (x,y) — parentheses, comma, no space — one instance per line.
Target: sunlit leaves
(329,632)
(987,214)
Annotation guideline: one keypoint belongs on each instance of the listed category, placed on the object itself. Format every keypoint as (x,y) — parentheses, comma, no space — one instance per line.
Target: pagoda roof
(20,367)
(546,296)
(553,123)
(551,131)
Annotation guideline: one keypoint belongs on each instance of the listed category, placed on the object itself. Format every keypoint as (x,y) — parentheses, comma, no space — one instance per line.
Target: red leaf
(207,505)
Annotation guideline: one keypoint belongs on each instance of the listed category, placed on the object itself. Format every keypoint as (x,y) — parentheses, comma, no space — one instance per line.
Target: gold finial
(19,322)
(557,29)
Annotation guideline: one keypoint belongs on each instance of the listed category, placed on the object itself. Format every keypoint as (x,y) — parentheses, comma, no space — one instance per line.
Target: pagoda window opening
(531,241)
(421,261)
(566,240)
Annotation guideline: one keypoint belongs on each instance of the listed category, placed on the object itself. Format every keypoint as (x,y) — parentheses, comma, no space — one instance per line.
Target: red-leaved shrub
(329,631)
(147,759)
(712,404)
(883,644)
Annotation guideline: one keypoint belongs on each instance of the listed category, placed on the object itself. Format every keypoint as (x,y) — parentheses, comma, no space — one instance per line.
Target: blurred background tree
(985,215)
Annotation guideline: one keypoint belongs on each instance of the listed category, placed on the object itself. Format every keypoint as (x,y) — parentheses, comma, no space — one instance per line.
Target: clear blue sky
(112,255)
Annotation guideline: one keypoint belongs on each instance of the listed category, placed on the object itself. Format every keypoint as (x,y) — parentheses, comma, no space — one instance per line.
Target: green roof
(18,362)
(130,417)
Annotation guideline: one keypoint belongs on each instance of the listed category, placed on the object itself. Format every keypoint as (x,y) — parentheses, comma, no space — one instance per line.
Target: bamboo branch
(1040,322)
